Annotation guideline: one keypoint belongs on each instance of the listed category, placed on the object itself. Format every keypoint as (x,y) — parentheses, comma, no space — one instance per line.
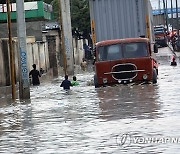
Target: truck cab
(124,61)
(161,35)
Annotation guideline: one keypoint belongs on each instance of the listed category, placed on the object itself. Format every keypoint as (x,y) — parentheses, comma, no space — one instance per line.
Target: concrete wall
(5,78)
(32,29)
(53,45)
(78,51)
(30,56)
(2,70)
(37,53)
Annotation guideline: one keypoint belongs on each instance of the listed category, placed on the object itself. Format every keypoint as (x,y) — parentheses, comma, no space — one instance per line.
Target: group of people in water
(66,84)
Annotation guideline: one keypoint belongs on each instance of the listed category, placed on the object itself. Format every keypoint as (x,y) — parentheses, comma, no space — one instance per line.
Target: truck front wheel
(95,82)
(154,75)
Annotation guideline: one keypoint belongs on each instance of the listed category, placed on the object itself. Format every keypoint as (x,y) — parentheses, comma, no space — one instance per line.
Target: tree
(80,18)
(3,2)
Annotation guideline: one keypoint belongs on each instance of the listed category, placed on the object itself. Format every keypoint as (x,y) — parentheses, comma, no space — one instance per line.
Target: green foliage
(56,12)
(48,1)
(80,17)
(3,2)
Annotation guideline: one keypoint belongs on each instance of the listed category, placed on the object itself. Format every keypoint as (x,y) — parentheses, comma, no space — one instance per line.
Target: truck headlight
(104,80)
(145,76)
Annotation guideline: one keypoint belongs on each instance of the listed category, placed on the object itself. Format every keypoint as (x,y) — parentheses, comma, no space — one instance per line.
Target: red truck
(161,35)
(125,60)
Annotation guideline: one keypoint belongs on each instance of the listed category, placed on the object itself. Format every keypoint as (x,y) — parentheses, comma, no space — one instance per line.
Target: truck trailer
(123,36)
(118,19)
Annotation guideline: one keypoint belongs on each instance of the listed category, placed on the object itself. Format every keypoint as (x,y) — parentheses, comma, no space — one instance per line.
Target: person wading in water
(35,76)
(66,83)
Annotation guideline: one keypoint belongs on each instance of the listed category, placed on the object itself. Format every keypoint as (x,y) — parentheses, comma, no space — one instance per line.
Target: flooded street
(120,119)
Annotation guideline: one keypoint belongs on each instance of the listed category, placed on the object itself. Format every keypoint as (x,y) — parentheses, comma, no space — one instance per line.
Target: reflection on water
(129,101)
(89,120)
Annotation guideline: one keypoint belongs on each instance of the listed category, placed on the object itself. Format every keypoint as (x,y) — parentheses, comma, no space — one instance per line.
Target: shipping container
(117,19)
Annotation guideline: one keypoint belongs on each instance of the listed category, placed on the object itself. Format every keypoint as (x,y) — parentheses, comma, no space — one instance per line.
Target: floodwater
(120,119)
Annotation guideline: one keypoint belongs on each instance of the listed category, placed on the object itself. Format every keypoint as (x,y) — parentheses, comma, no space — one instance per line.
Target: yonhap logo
(138,139)
(124,140)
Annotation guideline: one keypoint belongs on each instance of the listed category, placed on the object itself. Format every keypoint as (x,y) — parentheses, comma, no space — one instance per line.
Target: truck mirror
(155,48)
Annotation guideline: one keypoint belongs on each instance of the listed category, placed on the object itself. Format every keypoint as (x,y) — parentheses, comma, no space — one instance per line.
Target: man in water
(83,64)
(66,83)
(35,76)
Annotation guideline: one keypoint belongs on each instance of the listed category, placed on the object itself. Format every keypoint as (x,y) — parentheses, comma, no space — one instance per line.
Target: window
(110,52)
(159,30)
(133,50)
(115,52)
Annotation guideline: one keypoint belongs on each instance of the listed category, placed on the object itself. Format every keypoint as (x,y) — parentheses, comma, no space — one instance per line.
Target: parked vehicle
(124,61)
(161,35)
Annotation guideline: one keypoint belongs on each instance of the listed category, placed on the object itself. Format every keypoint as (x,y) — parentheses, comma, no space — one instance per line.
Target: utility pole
(11,52)
(172,22)
(67,31)
(164,12)
(167,17)
(62,39)
(177,18)
(24,90)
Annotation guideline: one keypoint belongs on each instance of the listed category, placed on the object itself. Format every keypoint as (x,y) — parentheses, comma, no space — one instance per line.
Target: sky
(155,3)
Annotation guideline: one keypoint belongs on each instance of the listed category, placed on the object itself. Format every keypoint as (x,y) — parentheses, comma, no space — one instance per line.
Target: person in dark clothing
(87,51)
(66,83)
(35,76)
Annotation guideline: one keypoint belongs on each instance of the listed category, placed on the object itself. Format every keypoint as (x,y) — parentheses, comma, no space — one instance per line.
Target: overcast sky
(155,3)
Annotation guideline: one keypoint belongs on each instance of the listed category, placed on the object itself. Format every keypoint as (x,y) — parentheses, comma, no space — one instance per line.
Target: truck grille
(126,71)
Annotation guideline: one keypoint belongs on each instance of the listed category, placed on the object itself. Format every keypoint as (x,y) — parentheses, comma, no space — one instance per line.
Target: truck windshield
(134,50)
(110,52)
(115,52)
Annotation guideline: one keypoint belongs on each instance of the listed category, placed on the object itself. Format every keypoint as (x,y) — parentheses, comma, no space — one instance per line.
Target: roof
(162,11)
(33,10)
(107,42)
